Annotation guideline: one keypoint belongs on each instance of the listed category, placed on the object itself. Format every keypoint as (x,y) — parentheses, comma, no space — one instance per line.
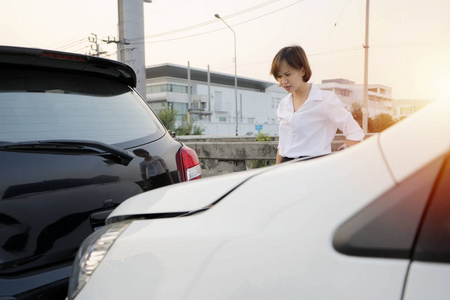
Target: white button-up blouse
(310,130)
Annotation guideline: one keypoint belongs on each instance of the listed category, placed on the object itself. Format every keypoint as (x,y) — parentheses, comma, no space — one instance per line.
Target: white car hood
(183,197)
(424,138)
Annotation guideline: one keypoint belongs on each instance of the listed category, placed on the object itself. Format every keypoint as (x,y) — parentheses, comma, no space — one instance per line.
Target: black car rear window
(39,104)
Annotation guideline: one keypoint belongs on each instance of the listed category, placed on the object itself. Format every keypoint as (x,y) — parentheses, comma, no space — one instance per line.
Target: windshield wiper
(72,146)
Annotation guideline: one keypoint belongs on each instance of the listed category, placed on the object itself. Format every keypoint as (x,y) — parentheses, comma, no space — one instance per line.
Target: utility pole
(131,32)
(112,39)
(120,55)
(365,108)
(96,47)
(189,91)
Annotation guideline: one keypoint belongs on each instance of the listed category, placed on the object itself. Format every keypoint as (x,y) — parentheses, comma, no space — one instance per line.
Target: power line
(87,39)
(250,9)
(272,12)
(334,26)
(211,31)
(334,51)
(69,44)
(411,44)
(309,55)
(111,54)
(207,22)
(73,44)
(83,48)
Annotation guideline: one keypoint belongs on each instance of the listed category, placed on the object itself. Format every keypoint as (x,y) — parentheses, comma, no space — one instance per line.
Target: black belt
(285,159)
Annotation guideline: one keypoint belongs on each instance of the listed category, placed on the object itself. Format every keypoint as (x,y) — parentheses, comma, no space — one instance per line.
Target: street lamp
(235,70)
(365,108)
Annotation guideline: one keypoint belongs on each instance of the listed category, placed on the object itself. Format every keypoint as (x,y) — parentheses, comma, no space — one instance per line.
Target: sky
(409,40)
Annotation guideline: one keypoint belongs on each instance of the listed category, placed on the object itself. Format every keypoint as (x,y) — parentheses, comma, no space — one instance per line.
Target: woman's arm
(170,176)
(278,160)
(143,169)
(350,143)
(346,144)
(343,119)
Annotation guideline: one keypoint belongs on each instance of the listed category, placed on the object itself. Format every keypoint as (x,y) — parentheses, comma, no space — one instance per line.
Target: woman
(154,170)
(308,117)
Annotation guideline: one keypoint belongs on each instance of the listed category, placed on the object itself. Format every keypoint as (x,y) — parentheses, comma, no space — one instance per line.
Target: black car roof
(67,61)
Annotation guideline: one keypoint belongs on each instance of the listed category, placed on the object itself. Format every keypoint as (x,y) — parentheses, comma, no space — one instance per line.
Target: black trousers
(159,180)
(285,159)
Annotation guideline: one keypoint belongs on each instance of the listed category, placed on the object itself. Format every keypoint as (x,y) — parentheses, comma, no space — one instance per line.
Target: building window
(343,92)
(157,106)
(181,109)
(156,88)
(406,110)
(161,88)
(222,119)
(218,103)
(178,88)
(275,102)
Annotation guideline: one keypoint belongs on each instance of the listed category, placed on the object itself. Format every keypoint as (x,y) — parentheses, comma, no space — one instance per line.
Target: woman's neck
(300,96)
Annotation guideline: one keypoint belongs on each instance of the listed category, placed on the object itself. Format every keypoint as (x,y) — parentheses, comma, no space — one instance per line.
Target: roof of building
(338,80)
(177,71)
(333,84)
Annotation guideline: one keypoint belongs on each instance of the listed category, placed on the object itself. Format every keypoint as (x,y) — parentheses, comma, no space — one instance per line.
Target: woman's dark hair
(295,57)
(141,152)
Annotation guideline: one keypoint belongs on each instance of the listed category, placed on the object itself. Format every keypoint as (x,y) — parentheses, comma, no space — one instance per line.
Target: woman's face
(289,78)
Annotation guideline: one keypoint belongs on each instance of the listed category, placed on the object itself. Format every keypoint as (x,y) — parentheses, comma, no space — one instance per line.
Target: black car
(76,140)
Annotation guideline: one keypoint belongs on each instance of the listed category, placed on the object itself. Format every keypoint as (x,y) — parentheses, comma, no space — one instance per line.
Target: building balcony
(199,111)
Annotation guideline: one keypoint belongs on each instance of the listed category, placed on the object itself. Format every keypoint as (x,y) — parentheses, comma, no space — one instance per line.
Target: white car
(369,222)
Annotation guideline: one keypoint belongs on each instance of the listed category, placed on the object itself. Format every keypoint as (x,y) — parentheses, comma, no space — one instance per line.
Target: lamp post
(235,70)
(365,108)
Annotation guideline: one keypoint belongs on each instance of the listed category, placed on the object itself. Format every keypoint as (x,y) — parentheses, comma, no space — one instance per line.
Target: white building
(210,98)
(380,96)
(404,108)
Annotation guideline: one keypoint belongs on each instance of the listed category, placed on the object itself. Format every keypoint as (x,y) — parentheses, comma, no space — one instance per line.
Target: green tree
(357,113)
(188,127)
(168,117)
(198,130)
(381,122)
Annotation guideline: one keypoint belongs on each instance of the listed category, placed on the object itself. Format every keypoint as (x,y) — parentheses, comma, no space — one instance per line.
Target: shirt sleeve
(283,116)
(142,167)
(163,163)
(344,120)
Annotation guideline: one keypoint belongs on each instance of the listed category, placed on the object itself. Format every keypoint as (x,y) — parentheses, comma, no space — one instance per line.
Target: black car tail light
(188,164)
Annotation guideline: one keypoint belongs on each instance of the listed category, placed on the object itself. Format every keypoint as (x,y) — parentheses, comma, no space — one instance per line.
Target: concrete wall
(221,155)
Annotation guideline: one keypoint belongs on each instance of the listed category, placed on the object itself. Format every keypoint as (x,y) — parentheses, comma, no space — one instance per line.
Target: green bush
(382,122)
(188,127)
(262,137)
(168,117)
(379,123)
(260,163)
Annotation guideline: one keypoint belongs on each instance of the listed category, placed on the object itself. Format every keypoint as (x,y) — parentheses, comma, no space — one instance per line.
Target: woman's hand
(346,144)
